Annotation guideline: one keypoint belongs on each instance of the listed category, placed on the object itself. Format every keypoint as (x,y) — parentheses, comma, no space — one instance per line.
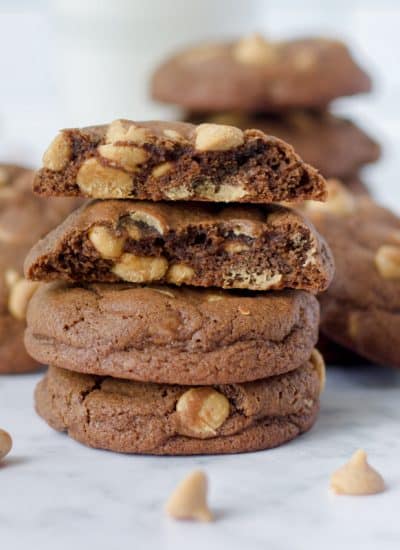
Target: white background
(66,63)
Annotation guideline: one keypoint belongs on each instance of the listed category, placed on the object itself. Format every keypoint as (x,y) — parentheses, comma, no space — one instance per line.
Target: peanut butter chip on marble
(5,443)
(189,500)
(357,477)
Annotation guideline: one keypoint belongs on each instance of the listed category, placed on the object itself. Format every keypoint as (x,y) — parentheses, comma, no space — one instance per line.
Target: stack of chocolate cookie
(282,88)
(178,327)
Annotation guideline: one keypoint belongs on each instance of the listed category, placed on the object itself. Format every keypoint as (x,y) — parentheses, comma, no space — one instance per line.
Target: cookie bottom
(134,417)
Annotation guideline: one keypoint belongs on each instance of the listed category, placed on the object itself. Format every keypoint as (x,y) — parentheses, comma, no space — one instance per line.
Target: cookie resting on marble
(24,218)
(176,161)
(134,417)
(254,74)
(334,145)
(360,310)
(169,334)
(249,247)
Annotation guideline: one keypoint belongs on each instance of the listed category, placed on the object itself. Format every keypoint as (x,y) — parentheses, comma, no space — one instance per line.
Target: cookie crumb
(357,477)
(189,500)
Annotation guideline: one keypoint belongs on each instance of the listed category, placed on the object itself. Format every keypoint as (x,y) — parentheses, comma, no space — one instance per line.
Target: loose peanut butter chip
(189,500)
(5,443)
(357,477)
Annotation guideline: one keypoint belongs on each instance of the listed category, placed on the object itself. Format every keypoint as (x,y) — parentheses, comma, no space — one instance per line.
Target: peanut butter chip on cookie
(387,261)
(357,477)
(217,137)
(254,50)
(189,500)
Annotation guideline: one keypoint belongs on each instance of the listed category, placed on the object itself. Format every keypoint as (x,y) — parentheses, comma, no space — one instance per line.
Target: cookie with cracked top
(171,335)
(250,247)
(334,145)
(254,74)
(176,161)
(360,310)
(135,417)
(24,218)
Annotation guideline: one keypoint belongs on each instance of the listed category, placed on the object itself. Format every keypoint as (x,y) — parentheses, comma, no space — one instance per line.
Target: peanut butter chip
(140,269)
(180,273)
(120,131)
(58,154)
(5,443)
(127,157)
(103,182)
(20,294)
(217,137)
(4,177)
(254,50)
(357,477)
(318,363)
(387,261)
(189,500)
(201,411)
(107,244)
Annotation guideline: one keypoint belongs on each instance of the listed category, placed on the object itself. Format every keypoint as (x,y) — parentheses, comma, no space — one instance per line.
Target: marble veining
(57,493)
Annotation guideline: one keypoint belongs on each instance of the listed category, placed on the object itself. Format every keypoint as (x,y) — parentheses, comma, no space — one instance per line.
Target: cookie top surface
(254,74)
(251,247)
(128,416)
(171,335)
(360,309)
(334,145)
(24,218)
(176,161)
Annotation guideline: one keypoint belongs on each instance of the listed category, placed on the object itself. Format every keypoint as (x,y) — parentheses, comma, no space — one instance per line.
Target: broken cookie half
(257,248)
(176,161)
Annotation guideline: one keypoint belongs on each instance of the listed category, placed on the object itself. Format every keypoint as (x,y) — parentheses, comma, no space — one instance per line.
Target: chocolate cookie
(24,218)
(336,146)
(176,161)
(171,335)
(361,308)
(134,417)
(254,74)
(249,247)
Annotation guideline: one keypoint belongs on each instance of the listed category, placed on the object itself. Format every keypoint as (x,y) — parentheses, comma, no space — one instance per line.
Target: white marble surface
(58,494)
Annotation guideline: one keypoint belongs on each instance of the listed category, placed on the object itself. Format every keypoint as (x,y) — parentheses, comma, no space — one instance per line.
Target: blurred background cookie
(255,74)
(360,310)
(24,218)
